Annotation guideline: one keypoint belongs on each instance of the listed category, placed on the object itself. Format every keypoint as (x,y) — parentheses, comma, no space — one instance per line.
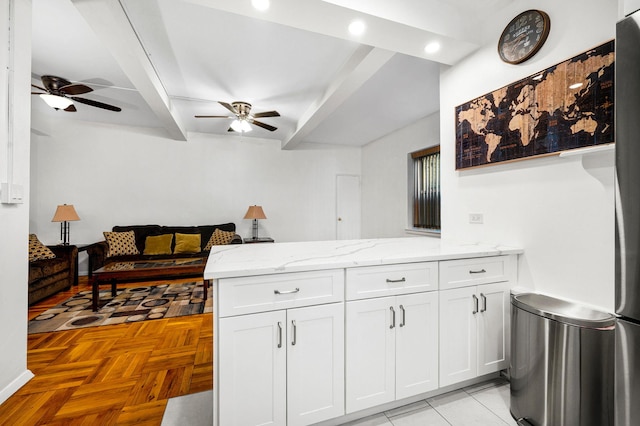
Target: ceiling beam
(109,21)
(328,18)
(363,64)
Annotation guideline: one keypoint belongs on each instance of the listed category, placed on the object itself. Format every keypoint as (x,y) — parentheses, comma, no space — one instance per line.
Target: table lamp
(255,213)
(65,214)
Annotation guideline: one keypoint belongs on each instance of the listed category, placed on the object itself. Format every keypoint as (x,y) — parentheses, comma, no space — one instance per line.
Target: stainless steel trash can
(562,363)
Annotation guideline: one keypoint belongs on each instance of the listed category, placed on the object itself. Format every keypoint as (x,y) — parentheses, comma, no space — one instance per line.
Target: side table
(258,240)
(81,248)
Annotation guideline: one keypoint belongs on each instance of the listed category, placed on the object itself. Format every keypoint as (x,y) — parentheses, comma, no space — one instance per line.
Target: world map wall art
(567,106)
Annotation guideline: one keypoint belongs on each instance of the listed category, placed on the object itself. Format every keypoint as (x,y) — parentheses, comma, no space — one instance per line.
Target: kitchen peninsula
(330,331)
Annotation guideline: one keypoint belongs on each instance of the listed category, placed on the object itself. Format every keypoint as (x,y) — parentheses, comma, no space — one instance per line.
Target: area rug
(129,305)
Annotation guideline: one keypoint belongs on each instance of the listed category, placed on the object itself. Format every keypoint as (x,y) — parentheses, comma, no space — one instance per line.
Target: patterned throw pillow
(121,243)
(37,250)
(219,238)
(187,243)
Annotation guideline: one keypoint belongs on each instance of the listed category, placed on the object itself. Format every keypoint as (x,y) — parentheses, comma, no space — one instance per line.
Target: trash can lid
(562,310)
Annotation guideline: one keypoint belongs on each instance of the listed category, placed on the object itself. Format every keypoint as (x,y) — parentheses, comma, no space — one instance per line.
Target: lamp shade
(255,212)
(65,213)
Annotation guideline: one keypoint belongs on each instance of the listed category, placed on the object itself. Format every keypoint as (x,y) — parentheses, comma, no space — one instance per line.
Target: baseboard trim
(16,384)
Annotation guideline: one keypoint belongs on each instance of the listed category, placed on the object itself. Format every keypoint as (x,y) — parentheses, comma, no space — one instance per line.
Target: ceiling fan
(60,94)
(243,117)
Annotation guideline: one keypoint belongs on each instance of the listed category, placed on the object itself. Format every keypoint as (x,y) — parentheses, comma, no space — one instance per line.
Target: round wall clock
(524,36)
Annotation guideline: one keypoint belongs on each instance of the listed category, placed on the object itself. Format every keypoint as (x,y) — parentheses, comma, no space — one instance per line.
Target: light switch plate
(11,193)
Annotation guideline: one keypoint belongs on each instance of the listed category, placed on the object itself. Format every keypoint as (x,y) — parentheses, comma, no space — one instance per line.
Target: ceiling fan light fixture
(55,101)
(241,126)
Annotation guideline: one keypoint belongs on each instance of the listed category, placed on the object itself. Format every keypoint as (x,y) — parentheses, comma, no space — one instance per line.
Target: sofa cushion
(187,243)
(121,243)
(219,237)
(47,267)
(141,233)
(158,244)
(37,250)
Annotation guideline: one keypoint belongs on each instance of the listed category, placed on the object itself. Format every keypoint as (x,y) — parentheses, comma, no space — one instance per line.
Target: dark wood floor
(111,375)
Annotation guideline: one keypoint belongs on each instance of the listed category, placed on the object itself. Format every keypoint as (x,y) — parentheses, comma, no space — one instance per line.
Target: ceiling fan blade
(38,87)
(263,125)
(212,116)
(229,107)
(96,104)
(70,108)
(75,89)
(230,130)
(267,114)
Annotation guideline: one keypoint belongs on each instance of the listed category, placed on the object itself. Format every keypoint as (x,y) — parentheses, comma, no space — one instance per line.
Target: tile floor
(484,404)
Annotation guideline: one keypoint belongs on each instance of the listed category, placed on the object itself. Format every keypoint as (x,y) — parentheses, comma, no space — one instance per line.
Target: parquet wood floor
(111,375)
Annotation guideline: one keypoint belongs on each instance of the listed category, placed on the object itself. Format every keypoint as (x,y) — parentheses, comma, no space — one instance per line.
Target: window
(426,188)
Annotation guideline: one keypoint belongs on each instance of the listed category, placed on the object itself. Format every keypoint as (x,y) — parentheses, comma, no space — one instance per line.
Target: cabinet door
(416,344)
(370,352)
(315,364)
(252,376)
(458,340)
(493,328)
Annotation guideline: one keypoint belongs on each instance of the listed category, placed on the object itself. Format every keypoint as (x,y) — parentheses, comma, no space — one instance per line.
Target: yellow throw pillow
(37,250)
(121,243)
(158,244)
(187,243)
(219,238)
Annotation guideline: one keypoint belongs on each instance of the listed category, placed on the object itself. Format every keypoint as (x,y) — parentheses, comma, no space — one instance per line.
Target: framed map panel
(566,106)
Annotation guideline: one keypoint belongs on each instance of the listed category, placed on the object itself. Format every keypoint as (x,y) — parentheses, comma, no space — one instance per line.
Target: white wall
(14,218)
(561,211)
(385,177)
(126,176)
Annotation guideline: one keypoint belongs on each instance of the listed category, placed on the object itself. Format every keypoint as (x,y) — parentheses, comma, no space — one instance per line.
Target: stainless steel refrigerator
(627,131)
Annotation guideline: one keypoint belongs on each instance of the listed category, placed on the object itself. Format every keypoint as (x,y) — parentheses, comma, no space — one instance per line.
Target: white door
(370,353)
(315,358)
(252,374)
(347,207)
(493,328)
(458,340)
(416,344)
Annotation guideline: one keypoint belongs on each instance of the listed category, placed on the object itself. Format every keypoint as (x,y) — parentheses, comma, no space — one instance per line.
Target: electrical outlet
(476,218)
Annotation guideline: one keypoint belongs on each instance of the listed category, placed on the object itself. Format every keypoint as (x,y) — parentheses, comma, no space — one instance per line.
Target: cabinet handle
(475,304)
(279,334)
(286,291)
(401,280)
(293,339)
(484,302)
(393,317)
(404,316)
(481,271)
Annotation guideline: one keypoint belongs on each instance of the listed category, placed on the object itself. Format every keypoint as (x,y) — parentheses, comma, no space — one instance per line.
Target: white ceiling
(164,61)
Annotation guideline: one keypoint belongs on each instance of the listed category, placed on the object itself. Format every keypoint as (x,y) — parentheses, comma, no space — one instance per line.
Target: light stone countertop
(239,260)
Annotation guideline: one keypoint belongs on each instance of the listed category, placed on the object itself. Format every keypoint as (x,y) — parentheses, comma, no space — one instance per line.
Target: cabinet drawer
(482,270)
(388,280)
(244,295)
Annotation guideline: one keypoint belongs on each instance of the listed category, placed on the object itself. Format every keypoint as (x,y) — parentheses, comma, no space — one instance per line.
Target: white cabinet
(391,348)
(474,320)
(284,366)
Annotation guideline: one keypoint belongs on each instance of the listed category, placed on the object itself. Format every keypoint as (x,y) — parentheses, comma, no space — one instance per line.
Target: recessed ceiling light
(260,4)
(575,86)
(357,27)
(432,47)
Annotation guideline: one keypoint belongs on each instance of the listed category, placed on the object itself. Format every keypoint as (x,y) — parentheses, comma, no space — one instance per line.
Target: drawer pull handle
(393,317)
(279,334)
(401,280)
(475,304)
(481,271)
(286,291)
(293,339)
(404,316)
(484,302)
